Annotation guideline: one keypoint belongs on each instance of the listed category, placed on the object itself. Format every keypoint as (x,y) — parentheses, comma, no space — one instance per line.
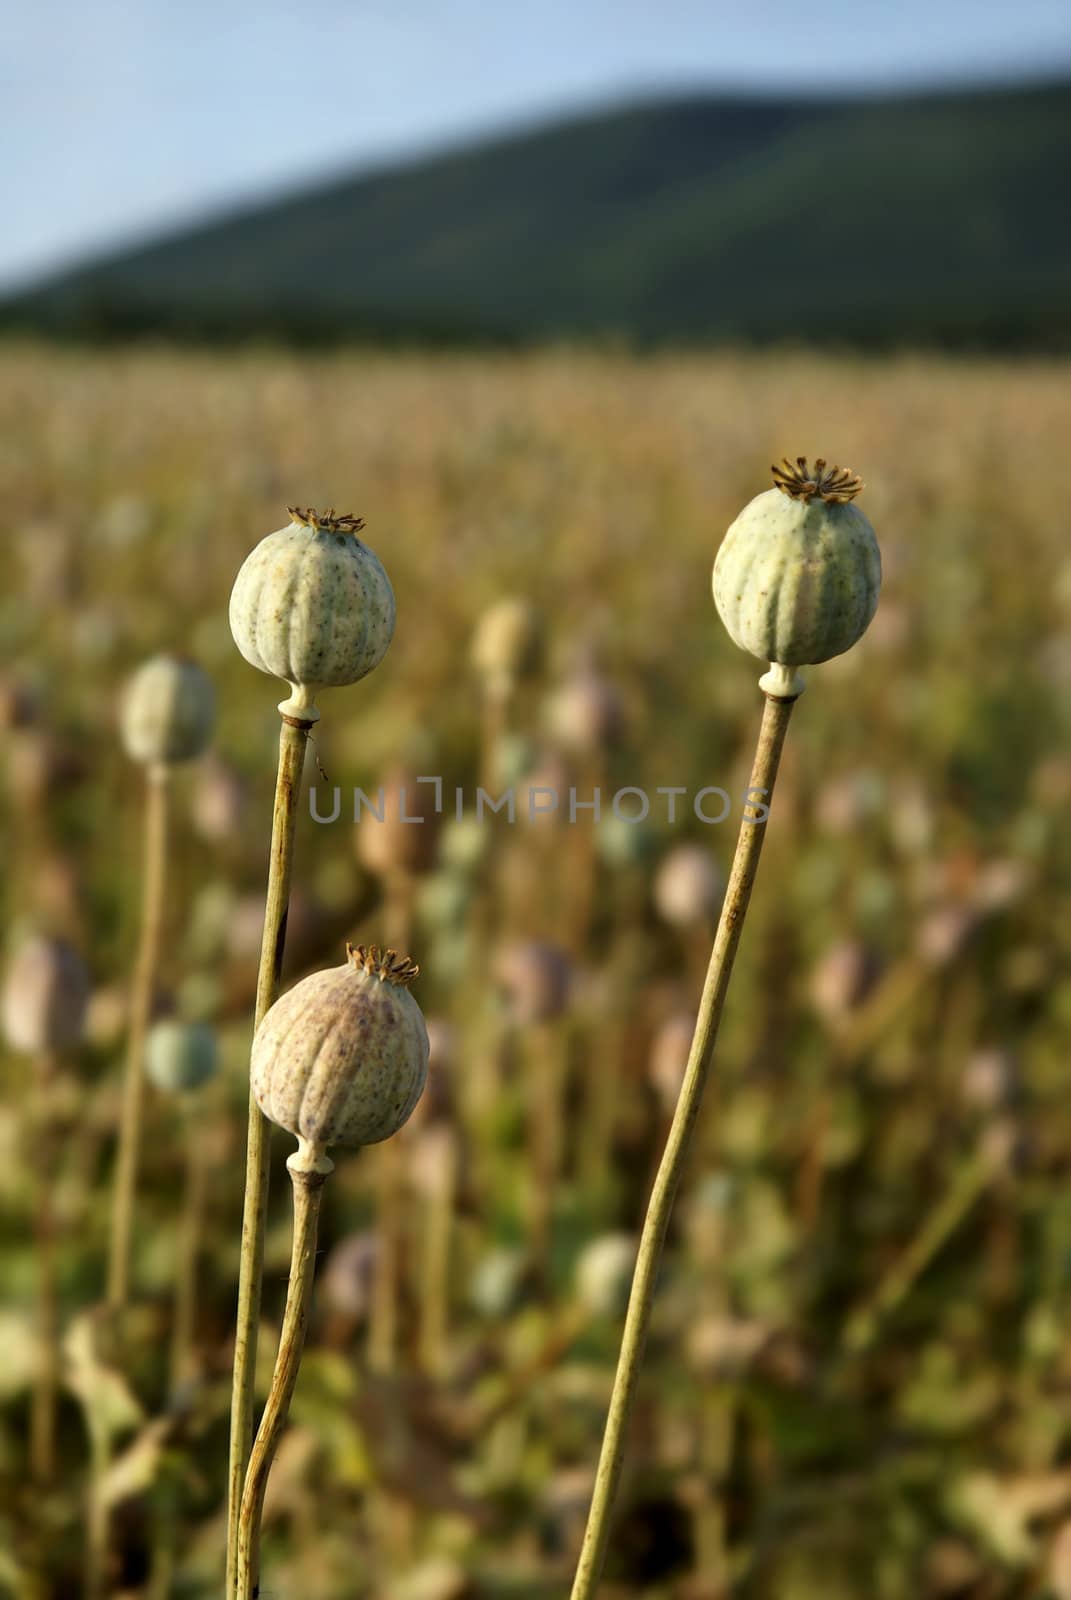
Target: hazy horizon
(148,131)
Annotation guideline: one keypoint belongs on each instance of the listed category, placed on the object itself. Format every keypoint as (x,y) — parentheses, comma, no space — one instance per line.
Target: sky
(125,117)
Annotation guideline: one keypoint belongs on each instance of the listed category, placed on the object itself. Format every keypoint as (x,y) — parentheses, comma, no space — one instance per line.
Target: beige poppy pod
(404,840)
(342,1058)
(433,1160)
(313,605)
(990,1079)
(45,997)
(218,803)
(168,712)
(19,706)
(436,1103)
(535,980)
(842,980)
(604,1273)
(797,576)
(39,765)
(688,887)
(507,644)
(668,1060)
(349,1273)
(586,713)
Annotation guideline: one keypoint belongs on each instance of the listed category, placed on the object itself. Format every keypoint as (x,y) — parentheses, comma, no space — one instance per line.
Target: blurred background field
(859,1379)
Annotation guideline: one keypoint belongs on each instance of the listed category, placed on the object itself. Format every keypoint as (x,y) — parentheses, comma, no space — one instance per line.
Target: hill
(924,218)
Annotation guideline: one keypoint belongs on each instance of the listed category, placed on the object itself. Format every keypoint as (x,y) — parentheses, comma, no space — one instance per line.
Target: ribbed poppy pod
(797,576)
(313,605)
(45,997)
(168,712)
(180,1056)
(342,1058)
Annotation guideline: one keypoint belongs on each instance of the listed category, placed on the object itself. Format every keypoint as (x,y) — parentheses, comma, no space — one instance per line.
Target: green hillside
(933,217)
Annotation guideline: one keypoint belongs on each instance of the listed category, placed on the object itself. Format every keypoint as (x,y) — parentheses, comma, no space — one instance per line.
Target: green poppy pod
(180,1056)
(312,604)
(797,576)
(168,712)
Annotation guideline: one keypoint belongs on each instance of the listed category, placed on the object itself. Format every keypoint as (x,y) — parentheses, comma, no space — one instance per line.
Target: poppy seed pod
(442,1047)
(433,1160)
(604,1273)
(499,1282)
(688,887)
(45,997)
(18,702)
(404,839)
(620,844)
(463,844)
(39,765)
(343,1057)
(507,644)
(586,713)
(180,1056)
(535,980)
(313,605)
(797,576)
(218,803)
(348,1275)
(668,1060)
(842,980)
(168,712)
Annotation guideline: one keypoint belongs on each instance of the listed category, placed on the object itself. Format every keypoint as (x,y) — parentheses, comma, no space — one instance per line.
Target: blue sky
(124,116)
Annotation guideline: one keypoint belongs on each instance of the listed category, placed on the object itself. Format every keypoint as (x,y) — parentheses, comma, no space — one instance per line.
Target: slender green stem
(497,709)
(387,1169)
(97,1511)
(293,739)
(46,1381)
(157,812)
(183,1326)
(726,940)
(968,1185)
(436,1230)
(308,1177)
(387,1178)
(547,1049)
